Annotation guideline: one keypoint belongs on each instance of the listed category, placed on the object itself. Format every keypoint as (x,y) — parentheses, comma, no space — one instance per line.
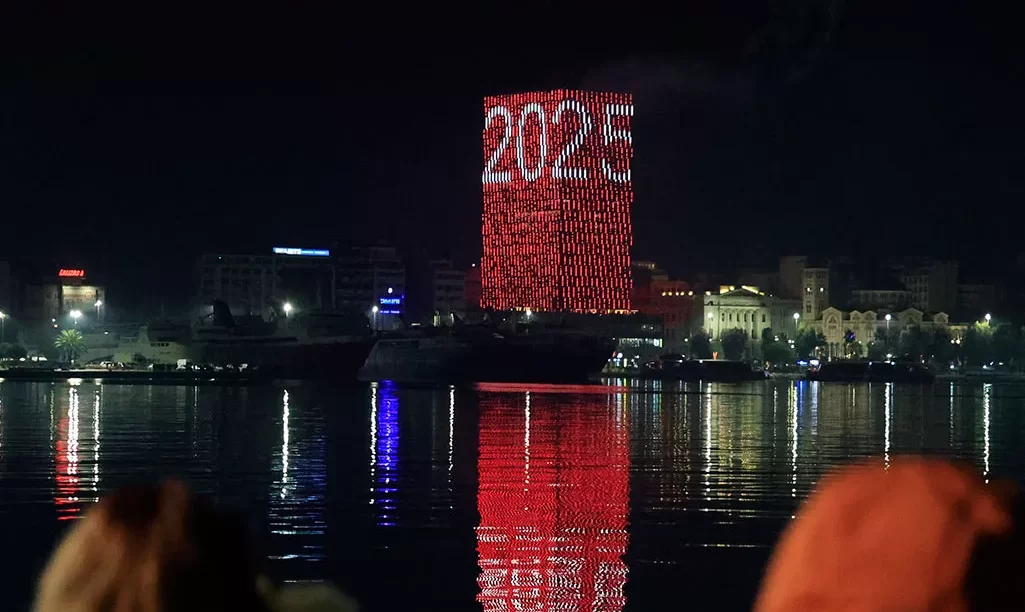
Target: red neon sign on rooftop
(71,273)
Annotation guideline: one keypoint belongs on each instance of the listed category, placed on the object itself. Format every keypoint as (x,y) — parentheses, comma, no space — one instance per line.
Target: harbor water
(624,496)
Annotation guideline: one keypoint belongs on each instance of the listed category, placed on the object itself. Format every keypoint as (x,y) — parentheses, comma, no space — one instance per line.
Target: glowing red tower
(557,197)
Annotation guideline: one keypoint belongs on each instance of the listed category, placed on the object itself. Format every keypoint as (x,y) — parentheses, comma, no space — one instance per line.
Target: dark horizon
(825,130)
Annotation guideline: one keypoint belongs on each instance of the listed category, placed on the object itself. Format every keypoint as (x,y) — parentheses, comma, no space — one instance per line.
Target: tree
(851,347)
(734,343)
(807,341)
(1006,344)
(913,342)
(12,351)
(71,342)
(778,353)
(942,348)
(976,346)
(775,350)
(700,346)
(877,350)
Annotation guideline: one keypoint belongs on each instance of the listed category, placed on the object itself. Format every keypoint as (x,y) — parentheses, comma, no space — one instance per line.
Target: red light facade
(553,500)
(557,198)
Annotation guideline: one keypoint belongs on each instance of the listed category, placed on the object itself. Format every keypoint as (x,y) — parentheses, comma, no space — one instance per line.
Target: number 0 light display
(557,197)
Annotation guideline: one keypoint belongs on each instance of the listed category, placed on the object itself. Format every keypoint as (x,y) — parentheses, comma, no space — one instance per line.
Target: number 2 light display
(557,196)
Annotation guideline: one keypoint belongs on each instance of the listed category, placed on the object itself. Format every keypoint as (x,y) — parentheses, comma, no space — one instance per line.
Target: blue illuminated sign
(394,312)
(302,252)
(390,301)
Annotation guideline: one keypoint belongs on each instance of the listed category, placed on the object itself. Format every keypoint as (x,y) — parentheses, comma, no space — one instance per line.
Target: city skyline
(752,141)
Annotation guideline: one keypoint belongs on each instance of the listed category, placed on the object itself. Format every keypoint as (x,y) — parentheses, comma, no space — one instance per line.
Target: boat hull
(516,360)
(329,360)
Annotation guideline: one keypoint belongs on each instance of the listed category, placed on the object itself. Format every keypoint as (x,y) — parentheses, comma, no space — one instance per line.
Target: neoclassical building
(748,309)
(834,323)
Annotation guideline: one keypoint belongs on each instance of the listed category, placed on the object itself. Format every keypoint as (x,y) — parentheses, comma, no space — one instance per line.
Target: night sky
(129,143)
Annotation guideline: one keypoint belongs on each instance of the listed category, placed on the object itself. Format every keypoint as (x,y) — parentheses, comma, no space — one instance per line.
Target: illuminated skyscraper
(557,197)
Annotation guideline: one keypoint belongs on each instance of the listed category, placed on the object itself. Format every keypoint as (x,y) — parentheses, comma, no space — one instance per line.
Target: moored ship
(482,354)
(324,345)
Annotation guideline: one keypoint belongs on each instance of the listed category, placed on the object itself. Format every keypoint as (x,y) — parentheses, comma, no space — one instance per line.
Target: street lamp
(98,304)
(797,320)
(3,316)
(75,314)
(989,317)
(529,313)
(374,310)
(288,311)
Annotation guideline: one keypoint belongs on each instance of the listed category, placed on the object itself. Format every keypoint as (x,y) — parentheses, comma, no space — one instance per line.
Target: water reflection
(77,460)
(887,422)
(298,500)
(384,453)
(490,497)
(553,503)
(987,393)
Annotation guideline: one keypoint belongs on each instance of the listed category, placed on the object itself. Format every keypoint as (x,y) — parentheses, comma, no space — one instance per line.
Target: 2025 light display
(557,195)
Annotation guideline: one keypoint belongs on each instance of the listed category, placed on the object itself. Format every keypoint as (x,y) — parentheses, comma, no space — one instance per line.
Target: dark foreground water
(497,498)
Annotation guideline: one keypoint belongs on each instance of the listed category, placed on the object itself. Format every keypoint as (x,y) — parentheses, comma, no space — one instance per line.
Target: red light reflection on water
(553,501)
(552,388)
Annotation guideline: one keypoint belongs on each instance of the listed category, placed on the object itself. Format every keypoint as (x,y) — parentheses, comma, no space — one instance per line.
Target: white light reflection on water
(451,430)
(1,425)
(950,438)
(887,418)
(987,392)
(526,442)
(373,439)
(284,444)
(96,441)
(67,458)
(707,468)
(732,448)
(795,390)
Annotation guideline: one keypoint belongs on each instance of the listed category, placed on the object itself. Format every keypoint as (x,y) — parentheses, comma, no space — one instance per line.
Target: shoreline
(139,376)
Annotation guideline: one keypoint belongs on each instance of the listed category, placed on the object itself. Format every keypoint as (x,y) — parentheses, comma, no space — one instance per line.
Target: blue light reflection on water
(384,453)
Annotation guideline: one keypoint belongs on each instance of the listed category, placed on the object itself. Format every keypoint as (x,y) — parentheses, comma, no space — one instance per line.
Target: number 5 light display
(557,196)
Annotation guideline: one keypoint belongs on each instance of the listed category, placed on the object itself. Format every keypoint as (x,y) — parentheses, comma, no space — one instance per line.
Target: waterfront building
(556,233)
(931,283)
(974,299)
(261,284)
(791,275)
(66,292)
(372,277)
(671,301)
(448,289)
(882,294)
(866,325)
(353,278)
(815,292)
(748,309)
